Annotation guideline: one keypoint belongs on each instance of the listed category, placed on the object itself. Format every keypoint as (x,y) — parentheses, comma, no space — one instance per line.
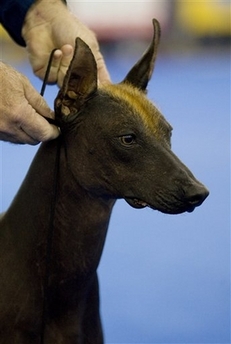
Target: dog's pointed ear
(79,84)
(141,72)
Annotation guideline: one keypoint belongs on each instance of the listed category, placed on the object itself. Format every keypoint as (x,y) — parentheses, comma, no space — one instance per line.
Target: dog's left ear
(141,73)
(79,84)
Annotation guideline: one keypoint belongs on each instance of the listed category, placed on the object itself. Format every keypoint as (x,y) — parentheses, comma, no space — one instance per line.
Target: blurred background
(164,279)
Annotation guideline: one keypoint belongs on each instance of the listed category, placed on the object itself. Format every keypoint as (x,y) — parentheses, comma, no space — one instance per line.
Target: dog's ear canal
(79,84)
(141,72)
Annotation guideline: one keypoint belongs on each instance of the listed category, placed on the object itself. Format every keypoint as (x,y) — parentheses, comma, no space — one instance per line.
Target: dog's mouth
(136,203)
(140,204)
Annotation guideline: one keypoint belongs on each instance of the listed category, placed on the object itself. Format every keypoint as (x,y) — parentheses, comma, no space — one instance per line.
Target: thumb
(36,101)
(36,125)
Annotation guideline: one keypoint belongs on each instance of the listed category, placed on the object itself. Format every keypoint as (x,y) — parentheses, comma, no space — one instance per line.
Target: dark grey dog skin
(114,144)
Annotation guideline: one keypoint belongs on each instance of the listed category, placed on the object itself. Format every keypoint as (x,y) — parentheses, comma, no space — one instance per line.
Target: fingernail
(57,54)
(67,50)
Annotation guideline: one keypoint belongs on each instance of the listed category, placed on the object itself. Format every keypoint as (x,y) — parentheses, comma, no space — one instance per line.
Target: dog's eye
(128,139)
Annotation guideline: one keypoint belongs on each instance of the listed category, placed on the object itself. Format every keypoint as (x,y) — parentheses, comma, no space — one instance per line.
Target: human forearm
(12,15)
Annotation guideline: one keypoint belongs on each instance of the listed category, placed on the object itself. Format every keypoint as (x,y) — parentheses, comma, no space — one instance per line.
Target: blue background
(165,279)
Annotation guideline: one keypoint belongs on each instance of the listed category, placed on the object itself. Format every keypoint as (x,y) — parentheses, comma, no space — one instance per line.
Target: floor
(165,279)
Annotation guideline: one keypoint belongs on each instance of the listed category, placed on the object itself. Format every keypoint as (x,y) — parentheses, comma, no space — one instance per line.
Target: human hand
(22,110)
(49,25)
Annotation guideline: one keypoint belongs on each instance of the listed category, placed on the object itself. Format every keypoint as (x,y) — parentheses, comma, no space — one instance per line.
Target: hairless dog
(114,144)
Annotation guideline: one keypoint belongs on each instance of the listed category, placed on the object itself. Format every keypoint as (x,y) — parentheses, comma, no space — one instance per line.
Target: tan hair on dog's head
(140,106)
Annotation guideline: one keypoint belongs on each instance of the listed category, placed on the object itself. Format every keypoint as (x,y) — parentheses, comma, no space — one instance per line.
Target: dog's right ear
(141,72)
(79,84)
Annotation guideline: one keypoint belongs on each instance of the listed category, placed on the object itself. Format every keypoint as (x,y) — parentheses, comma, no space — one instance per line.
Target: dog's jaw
(136,203)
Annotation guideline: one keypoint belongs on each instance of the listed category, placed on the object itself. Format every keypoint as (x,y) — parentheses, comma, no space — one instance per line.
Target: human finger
(36,127)
(67,54)
(103,74)
(55,66)
(17,135)
(35,109)
(36,101)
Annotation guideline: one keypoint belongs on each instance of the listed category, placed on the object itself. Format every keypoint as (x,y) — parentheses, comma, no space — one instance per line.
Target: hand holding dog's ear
(49,25)
(22,110)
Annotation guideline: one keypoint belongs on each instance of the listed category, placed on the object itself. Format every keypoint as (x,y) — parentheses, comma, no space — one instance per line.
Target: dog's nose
(196,196)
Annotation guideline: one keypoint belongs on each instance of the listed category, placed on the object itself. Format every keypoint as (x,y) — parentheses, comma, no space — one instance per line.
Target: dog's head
(117,141)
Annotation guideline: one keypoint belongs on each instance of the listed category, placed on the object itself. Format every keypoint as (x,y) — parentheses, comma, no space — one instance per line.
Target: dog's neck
(80,219)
